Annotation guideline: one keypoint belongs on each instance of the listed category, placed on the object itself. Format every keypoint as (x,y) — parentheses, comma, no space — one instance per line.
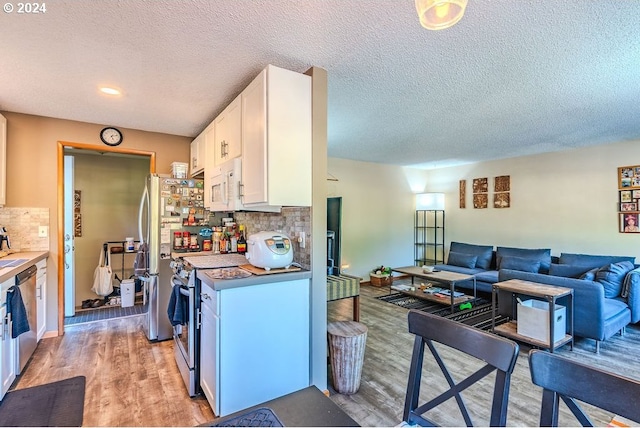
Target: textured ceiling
(513,77)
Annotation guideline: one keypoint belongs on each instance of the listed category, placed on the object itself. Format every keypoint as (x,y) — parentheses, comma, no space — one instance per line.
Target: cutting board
(260,271)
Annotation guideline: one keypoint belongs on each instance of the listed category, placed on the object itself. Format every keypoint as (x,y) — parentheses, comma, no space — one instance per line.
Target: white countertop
(32,257)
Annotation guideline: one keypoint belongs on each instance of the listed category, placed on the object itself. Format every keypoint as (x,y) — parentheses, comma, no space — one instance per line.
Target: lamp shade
(430,201)
(440,14)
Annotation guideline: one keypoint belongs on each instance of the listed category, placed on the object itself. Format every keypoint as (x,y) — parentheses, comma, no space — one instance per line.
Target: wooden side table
(549,293)
(347,340)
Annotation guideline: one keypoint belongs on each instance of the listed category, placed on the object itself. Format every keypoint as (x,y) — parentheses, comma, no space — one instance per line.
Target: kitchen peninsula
(254,338)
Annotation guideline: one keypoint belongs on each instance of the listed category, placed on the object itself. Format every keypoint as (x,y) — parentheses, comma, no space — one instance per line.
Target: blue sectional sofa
(606,288)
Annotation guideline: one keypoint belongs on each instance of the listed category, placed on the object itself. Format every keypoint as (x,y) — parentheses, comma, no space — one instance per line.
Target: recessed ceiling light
(110,91)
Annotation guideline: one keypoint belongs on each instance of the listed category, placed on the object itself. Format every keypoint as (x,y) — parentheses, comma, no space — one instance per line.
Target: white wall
(566,201)
(377,215)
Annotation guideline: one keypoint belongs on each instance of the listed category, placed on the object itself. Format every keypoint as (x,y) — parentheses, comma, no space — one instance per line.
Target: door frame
(61,213)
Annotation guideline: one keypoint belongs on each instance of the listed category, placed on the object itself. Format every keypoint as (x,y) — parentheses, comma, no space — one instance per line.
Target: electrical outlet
(43,231)
(302,239)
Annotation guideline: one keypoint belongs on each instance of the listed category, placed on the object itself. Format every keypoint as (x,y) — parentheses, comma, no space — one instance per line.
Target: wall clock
(111,136)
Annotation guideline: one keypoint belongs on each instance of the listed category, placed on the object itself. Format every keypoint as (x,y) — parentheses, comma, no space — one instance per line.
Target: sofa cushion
(484,252)
(462,259)
(611,277)
(543,255)
(489,276)
(458,269)
(589,275)
(592,261)
(567,271)
(519,263)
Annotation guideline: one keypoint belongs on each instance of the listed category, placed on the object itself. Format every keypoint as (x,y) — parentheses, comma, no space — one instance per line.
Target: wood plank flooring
(131,382)
(380,400)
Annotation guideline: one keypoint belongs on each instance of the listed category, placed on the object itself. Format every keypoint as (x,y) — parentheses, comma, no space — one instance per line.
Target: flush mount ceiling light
(440,14)
(109,90)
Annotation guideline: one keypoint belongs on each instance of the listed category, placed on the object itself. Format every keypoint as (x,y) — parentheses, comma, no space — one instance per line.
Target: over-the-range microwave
(225,189)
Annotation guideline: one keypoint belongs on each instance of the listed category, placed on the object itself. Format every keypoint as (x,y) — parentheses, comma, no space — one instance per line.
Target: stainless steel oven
(186,336)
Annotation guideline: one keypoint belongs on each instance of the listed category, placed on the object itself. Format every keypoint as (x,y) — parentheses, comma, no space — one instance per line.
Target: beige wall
(32,170)
(566,201)
(111,188)
(377,214)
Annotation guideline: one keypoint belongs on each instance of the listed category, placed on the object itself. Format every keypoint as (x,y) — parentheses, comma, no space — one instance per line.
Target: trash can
(127,292)
(347,340)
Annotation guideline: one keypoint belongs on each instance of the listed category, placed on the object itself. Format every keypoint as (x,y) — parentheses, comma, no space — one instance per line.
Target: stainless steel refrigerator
(167,205)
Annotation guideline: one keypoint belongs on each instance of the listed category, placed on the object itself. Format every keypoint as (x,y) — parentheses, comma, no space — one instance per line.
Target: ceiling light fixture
(110,91)
(440,14)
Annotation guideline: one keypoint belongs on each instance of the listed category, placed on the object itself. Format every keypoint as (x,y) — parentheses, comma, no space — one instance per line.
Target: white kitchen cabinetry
(41,297)
(209,143)
(254,343)
(3,160)
(228,135)
(198,155)
(276,139)
(8,346)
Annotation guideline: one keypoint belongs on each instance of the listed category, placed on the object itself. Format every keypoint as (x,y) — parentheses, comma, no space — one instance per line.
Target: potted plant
(381,276)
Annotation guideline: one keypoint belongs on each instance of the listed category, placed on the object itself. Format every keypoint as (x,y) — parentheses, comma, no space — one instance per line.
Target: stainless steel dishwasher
(27,342)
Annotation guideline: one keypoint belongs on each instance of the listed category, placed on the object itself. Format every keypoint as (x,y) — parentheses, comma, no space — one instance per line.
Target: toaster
(269,250)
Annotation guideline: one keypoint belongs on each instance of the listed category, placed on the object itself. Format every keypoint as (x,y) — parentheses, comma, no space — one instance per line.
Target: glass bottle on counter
(242,242)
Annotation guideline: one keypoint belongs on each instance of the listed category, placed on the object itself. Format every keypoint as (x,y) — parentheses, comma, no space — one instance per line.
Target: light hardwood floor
(131,382)
(380,400)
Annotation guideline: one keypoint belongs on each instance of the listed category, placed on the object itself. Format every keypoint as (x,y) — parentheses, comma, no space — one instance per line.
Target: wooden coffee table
(446,278)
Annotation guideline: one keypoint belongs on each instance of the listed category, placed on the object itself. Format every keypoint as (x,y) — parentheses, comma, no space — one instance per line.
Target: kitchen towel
(15,306)
(178,307)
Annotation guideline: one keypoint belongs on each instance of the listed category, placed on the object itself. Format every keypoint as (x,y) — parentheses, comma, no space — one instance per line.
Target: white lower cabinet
(254,343)
(41,298)
(8,346)
(209,346)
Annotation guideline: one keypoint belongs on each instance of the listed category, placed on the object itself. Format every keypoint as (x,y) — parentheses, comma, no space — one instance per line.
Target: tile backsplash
(22,226)
(291,221)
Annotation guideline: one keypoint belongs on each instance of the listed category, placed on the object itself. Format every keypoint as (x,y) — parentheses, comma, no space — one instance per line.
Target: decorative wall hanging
(77,216)
(628,199)
(463,193)
(480,200)
(480,185)
(480,192)
(501,187)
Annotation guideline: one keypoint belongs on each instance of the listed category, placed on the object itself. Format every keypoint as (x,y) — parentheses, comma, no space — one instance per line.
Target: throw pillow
(462,260)
(611,277)
(483,252)
(521,264)
(567,271)
(589,275)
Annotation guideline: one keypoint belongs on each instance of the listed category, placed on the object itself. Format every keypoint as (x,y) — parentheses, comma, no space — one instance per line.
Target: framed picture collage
(629,199)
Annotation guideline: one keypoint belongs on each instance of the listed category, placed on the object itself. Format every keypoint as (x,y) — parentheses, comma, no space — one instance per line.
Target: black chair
(563,378)
(498,353)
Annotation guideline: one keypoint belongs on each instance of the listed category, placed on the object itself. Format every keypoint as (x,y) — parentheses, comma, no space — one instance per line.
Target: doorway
(66,243)
(334,227)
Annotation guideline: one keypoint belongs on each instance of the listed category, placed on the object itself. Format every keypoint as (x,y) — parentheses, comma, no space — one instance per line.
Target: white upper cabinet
(228,136)
(198,155)
(276,139)
(209,162)
(3,160)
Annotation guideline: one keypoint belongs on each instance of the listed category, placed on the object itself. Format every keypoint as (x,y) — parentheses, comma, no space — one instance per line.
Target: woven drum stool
(347,340)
